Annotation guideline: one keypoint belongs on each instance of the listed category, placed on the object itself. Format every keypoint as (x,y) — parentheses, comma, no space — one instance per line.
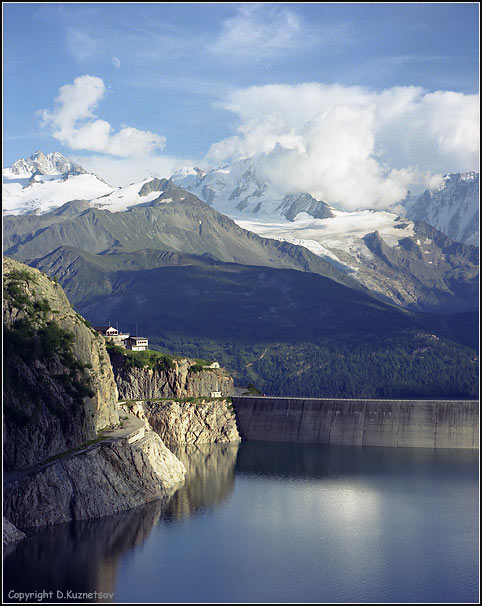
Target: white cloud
(116,62)
(258,30)
(352,146)
(74,123)
(122,171)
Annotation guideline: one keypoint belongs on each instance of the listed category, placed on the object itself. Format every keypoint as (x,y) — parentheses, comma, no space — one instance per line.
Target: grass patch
(142,359)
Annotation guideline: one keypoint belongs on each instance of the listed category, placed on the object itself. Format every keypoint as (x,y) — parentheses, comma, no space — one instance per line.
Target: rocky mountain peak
(452,208)
(53,163)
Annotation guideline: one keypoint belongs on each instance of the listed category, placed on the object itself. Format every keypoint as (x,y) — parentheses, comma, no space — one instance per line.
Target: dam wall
(397,423)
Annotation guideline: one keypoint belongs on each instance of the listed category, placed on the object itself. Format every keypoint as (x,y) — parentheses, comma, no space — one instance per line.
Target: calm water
(278,523)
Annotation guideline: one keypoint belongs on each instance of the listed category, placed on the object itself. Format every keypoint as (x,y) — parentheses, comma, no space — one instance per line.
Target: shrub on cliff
(56,391)
(147,359)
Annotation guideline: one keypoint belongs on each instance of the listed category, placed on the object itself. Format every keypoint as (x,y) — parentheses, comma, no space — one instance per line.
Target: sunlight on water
(266,522)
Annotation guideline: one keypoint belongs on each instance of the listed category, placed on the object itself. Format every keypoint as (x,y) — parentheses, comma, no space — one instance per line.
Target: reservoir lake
(270,522)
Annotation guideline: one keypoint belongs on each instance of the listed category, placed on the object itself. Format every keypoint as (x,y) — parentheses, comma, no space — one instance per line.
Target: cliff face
(200,422)
(59,389)
(11,534)
(179,380)
(104,480)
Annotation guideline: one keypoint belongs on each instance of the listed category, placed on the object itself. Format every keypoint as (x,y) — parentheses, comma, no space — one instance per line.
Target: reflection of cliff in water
(84,556)
(79,556)
(325,461)
(209,479)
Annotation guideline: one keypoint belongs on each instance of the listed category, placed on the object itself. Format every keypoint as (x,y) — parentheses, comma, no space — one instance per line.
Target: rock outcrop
(59,389)
(108,478)
(181,378)
(11,534)
(199,422)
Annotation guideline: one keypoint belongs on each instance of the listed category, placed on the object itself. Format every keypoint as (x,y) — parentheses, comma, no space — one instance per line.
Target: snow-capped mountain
(122,198)
(46,181)
(255,205)
(42,164)
(388,254)
(399,260)
(237,191)
(452,208)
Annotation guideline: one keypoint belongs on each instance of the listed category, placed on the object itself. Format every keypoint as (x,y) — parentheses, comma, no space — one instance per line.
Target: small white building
(216,394)
(213,365)
(113,335)
(107,331)
(137,343)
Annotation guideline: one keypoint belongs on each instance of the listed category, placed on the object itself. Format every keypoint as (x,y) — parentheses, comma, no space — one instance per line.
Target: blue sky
(188,77)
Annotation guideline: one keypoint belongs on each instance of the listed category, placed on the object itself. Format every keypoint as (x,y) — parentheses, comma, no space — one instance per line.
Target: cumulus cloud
(355,147)
(74,123)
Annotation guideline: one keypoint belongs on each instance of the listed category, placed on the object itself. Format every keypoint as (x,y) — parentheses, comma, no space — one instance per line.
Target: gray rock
(177,382)
(190,423)
(293,204)
(104,480)
(11,534)
(57,394)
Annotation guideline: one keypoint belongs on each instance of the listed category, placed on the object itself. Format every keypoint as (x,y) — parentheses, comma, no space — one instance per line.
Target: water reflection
(83,556)
(209,479)
(78,557)
(266,522)
(327,461)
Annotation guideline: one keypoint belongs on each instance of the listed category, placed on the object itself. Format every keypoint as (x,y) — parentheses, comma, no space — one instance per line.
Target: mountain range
(237,191)
(269,308)
(46,181)
(397,260)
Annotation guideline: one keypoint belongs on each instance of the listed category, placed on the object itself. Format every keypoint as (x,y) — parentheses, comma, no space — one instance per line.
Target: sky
(354,102)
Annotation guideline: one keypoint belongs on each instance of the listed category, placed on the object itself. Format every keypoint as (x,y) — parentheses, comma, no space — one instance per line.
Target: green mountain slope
(291,332)
(176,221)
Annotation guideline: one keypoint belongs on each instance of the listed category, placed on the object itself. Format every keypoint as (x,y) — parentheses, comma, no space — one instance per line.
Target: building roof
(104,328)
(138,338)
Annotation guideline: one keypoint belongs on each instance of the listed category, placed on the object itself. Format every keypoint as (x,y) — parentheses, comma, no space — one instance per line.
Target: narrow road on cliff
(131,428)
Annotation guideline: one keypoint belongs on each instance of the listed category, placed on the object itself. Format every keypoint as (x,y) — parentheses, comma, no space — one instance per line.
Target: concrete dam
(397,423)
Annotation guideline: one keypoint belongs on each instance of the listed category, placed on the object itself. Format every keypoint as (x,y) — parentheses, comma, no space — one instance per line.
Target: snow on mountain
(123,198)
(39,163)
(393,257)
(255,205)
(46,181)
(339,238)
(237,191)
(453,208)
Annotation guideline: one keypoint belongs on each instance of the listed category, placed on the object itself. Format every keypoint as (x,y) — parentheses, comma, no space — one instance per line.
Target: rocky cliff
(59,392)
(199,422)
(167,377)
(59,389)
(11,534)
(106,479)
